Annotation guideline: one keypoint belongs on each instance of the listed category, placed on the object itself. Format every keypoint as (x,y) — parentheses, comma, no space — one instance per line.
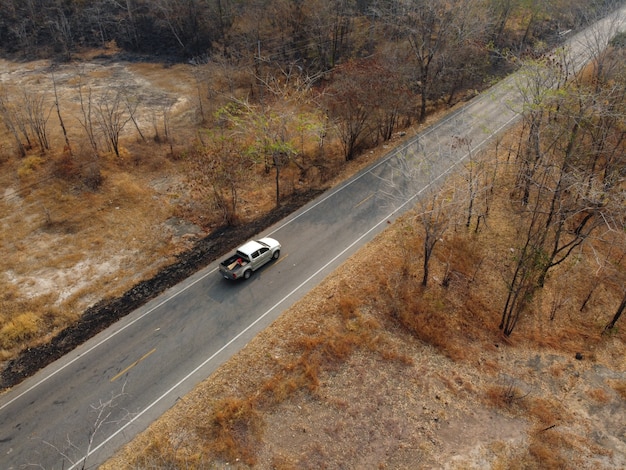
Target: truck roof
(250,247)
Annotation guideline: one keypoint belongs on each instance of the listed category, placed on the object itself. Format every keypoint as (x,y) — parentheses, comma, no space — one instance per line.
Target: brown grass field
(369,370)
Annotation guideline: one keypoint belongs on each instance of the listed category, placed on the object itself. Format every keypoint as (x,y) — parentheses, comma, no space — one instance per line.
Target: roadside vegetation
(402,348)
(113,171)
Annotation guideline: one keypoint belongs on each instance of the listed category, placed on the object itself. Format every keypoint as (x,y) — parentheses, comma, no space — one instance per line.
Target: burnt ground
(106,312)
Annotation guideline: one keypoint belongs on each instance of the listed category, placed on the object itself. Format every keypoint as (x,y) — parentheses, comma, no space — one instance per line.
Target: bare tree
(479,184)
(132,103)
(569,137)
(618,313)
(219,167)
(329,24)
(434,213)
(36,115)
(596,39)
(9,119)
(104,411)
(87,109)
(431,28)
(62,31)
(523,280)
(437,205)
(502,11)
(112,116)
(349,108)
(68,146)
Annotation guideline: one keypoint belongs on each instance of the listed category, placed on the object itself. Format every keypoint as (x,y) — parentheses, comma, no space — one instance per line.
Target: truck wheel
(246,274)
(276,254)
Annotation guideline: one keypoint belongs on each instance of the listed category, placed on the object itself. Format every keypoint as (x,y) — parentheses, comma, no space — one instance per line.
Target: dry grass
(599,395)
(619,387)
(61,244)
(236,429)
(74,228)
(506,396)
(19,328)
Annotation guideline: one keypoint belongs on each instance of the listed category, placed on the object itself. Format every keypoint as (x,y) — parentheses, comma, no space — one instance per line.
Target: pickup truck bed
(233,261)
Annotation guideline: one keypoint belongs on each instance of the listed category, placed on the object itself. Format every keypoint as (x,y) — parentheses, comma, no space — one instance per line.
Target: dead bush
(619,387)
(92,176)
(599,395)
(347,305)
(19,329)
(546,450)
(504,395)
(546,412)
(29,166)
(234,430)
(462,257)
(65,167)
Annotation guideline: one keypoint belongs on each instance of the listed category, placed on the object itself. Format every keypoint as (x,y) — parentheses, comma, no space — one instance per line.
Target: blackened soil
(108,311)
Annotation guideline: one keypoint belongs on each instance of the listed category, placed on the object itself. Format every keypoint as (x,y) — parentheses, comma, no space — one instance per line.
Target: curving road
(81,409)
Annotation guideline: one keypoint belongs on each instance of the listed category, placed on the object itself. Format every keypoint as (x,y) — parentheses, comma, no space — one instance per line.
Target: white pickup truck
(250,257)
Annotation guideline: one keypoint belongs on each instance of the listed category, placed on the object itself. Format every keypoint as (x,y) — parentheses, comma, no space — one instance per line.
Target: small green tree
(272,135)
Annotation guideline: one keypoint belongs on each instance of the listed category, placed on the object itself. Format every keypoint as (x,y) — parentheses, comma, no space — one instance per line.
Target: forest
(316,34)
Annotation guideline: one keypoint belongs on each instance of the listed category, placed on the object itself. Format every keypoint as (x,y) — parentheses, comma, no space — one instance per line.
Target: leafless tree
(132,103)
(330,23)
(527,264)
(37,114)
(166,109)
(68,146)
(62,31)
(104,411)
(112,116)
(431,28)
(26,118)
(100,21)
(596,39)
(479,183)
(502,11)
(536,88)
(618,313)
(570,136)
(434,212)
(218,168)
(436,205)
(8,117)
(347,105)
(87,117)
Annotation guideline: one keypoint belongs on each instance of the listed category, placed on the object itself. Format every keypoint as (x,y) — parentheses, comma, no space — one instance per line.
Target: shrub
(21,328)
(29,165)
(236,429)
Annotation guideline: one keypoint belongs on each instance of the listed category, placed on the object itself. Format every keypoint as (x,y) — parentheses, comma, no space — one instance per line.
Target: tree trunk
(618,313)
(56,103)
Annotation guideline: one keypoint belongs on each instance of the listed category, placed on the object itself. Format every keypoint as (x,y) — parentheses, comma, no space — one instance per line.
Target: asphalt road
(81,409)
